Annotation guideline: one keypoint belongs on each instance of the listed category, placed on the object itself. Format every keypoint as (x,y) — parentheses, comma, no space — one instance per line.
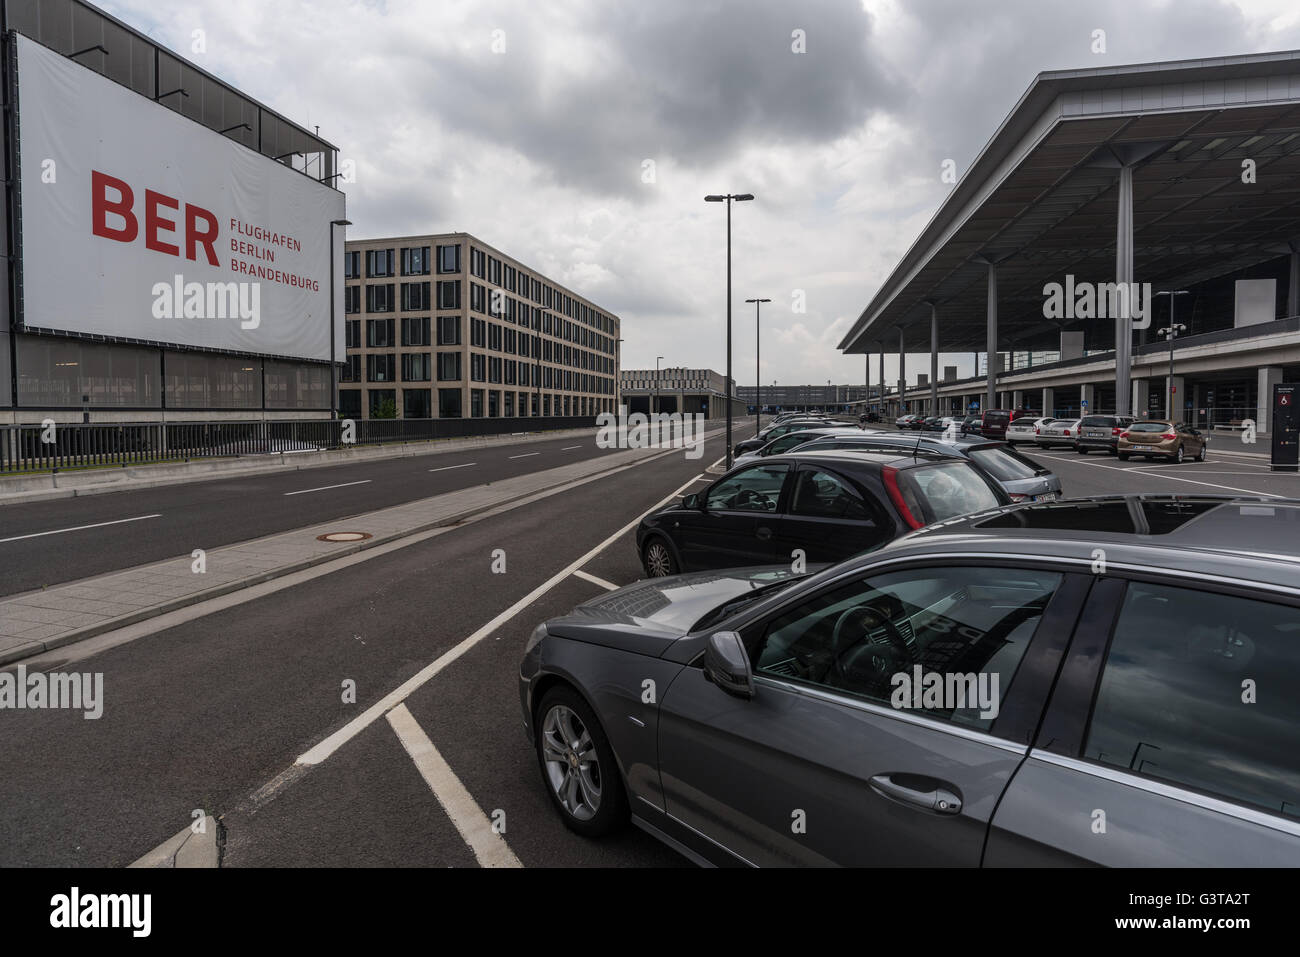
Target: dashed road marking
(446,467)
(325,488)
(78,528)
(525,455)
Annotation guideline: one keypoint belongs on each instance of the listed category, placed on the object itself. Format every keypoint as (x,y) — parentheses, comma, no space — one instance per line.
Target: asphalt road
(45,543)
(206,714)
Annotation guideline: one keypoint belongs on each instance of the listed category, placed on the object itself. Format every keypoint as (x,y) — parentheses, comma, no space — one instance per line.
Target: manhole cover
(343,537)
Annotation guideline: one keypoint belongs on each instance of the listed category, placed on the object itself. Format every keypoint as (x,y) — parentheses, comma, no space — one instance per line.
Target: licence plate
(1045,497)
(1095,434)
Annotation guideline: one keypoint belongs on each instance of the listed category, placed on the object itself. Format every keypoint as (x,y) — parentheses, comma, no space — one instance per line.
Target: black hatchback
(827,505)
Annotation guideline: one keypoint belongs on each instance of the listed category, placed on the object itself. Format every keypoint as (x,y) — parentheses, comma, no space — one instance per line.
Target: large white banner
(142,224)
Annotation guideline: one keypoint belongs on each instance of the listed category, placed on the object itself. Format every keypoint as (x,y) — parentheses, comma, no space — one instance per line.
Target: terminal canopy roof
(1041,199)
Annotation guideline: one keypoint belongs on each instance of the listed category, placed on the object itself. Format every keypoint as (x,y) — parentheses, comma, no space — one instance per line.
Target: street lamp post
(658,359)
(537,361)
(334,371)
(1171,332)
(728,198)
(758,367)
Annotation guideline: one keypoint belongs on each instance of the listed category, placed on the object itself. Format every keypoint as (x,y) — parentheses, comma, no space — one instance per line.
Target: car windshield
(1149,426)
(1098,420)
(1004,464)
(733,605)
(948,489)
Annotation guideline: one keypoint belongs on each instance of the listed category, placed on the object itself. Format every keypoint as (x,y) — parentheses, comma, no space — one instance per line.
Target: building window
(351,299)
(477,297)
(449,330)
(510,405)
(379,333)
(478,333)
(415,295)
(494,404)
(352,333)
(381,367)
(477,367)
(478,263)
(415,367)
(415,261)
(494,337)
(416,404)
(449,404)
(352,264)
(351,371)
(350,403)
(415,331)
(494,369)
(494,271)
(449,294)
(510,279)
(379,263)
(383,403)
(379,298)
(449,367)
(449,258)
(476,403)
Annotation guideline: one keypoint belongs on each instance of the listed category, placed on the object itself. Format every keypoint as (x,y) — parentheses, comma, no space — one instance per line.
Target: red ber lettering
(201,228)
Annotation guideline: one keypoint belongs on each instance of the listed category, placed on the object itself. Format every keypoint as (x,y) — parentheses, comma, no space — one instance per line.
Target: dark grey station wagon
(1108,681)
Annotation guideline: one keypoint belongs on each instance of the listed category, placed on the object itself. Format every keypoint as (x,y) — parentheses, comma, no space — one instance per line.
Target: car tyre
(583,782)
(1200,456)
(1123,456)
(1178,455)
(657,558)
(1081,450)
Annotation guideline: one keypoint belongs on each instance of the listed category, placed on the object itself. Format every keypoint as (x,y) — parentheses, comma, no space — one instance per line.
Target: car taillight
(1017,497)
(1067,431)
(1124,434)
(890,475)
(1115,431)
(1168,436)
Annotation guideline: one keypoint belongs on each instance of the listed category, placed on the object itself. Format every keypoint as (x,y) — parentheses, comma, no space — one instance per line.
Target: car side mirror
(692,501)
(726,664)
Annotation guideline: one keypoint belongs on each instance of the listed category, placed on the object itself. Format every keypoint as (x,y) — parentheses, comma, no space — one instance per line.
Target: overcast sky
(580,136)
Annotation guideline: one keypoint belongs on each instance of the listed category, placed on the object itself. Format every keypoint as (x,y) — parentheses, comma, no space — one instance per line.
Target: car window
(755,489)
(947,490)
(1004,464)
(1148,427)
(821,494)
(965,628)
(786,442)
(1203,690)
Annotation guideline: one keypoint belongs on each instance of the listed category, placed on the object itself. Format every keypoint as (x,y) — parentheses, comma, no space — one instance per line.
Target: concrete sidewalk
(16,489)
(36,622)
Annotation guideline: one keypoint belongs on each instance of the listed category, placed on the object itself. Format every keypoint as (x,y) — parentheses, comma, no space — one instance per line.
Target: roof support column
(1293,294)
(934,359)
(991,379)
(1123,279)
(902,366)
(881,346)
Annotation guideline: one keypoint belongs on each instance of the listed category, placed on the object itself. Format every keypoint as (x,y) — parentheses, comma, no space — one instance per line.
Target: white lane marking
(77,528)
(700,479)
(1191,462)
(446,467)
(489,847)
(570,448)
(1174,478)
(325,488)
(1208,471)
(395,697)
(608,586)
(525,455)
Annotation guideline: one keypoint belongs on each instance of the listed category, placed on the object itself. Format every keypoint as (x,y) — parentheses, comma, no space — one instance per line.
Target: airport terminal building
(172,243)
(1108,198)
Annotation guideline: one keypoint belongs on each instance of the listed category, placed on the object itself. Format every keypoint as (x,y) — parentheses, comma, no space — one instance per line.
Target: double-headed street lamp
(758,368)
(1170,332)
(728,198)
(334,369)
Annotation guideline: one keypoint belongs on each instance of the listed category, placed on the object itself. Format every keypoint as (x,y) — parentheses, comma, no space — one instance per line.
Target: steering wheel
(869,620)
(747,498)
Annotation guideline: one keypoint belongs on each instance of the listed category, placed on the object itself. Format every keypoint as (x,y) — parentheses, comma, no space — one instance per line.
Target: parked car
(993,424)
(903,421)
(1025,429)
(780,694)
(1100,432)
(1158,439)
(1021,478)
(829,504)
(970,425)
(775,432)
(939,423)
(792,440)
(1057,432)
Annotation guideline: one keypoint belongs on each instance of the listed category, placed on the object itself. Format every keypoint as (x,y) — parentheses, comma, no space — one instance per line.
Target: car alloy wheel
(658,560)
(578,765)
(1178,455)
(1200,456)
(572,765)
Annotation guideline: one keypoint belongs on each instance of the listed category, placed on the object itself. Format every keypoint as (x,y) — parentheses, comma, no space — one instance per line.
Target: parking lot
(220,712)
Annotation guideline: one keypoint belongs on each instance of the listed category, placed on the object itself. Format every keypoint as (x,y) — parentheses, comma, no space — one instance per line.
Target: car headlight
(535,638)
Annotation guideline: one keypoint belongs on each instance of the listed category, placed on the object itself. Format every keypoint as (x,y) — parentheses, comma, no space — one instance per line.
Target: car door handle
(918,791)
(764,533)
